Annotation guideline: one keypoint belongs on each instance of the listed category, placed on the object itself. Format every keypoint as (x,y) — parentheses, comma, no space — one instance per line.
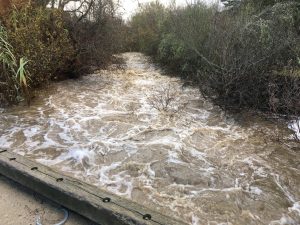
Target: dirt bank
(20,206)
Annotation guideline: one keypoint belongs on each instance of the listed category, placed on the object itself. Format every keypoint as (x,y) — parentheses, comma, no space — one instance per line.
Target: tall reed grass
(13,76)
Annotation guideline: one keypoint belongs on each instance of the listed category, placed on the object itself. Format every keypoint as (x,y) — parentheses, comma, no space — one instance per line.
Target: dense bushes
(244,56)
(146,28)
(39,34)
(97,34)
(39,45)
(7,69)
(250,55)
(57,42)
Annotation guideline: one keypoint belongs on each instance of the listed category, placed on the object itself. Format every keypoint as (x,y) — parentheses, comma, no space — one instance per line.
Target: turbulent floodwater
(190,160)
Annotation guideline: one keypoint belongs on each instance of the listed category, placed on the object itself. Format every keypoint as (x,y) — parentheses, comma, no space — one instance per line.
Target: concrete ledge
(97,205)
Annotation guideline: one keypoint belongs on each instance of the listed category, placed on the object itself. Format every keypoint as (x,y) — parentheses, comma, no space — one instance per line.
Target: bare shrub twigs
(165,99)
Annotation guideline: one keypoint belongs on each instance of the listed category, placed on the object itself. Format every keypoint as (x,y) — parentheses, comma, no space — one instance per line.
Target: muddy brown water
(147,137)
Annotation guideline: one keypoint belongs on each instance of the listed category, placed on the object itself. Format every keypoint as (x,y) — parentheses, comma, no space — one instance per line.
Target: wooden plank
(94,203)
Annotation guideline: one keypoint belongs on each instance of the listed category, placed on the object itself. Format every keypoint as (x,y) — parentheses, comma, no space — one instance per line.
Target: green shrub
(146,27)
(236,56)
(39,34)
(173,53)
(50,43)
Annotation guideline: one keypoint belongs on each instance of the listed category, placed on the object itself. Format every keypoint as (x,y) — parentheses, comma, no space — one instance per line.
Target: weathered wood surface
(98,205)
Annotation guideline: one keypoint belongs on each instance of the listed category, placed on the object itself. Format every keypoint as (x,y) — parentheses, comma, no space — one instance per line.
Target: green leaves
(39,35)
(22,73)
(6,56)
(13,76)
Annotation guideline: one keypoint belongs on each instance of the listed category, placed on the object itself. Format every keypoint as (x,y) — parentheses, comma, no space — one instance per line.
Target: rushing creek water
(189,161)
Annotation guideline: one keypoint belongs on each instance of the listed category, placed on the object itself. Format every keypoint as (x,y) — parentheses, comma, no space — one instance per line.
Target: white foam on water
(102,129)
(295,207)
(49,162)
(5,143)
(199,155)
(104,171)
(145,82)
(294,125)
(258,170)
(29,133)
(224,223)
(117,182)
(284,220)
(204,190)
(174,158)
(195,220)
(78,154)
(284,189)
(256,190)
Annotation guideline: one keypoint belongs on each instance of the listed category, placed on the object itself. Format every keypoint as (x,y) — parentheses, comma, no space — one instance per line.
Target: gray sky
(129,6)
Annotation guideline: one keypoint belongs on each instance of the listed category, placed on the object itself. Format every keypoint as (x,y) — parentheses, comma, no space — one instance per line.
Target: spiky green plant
(21,73)
(22,76)
(13,76)
(6,56)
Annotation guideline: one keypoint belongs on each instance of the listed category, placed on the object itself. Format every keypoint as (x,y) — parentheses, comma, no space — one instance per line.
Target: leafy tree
(146,27)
